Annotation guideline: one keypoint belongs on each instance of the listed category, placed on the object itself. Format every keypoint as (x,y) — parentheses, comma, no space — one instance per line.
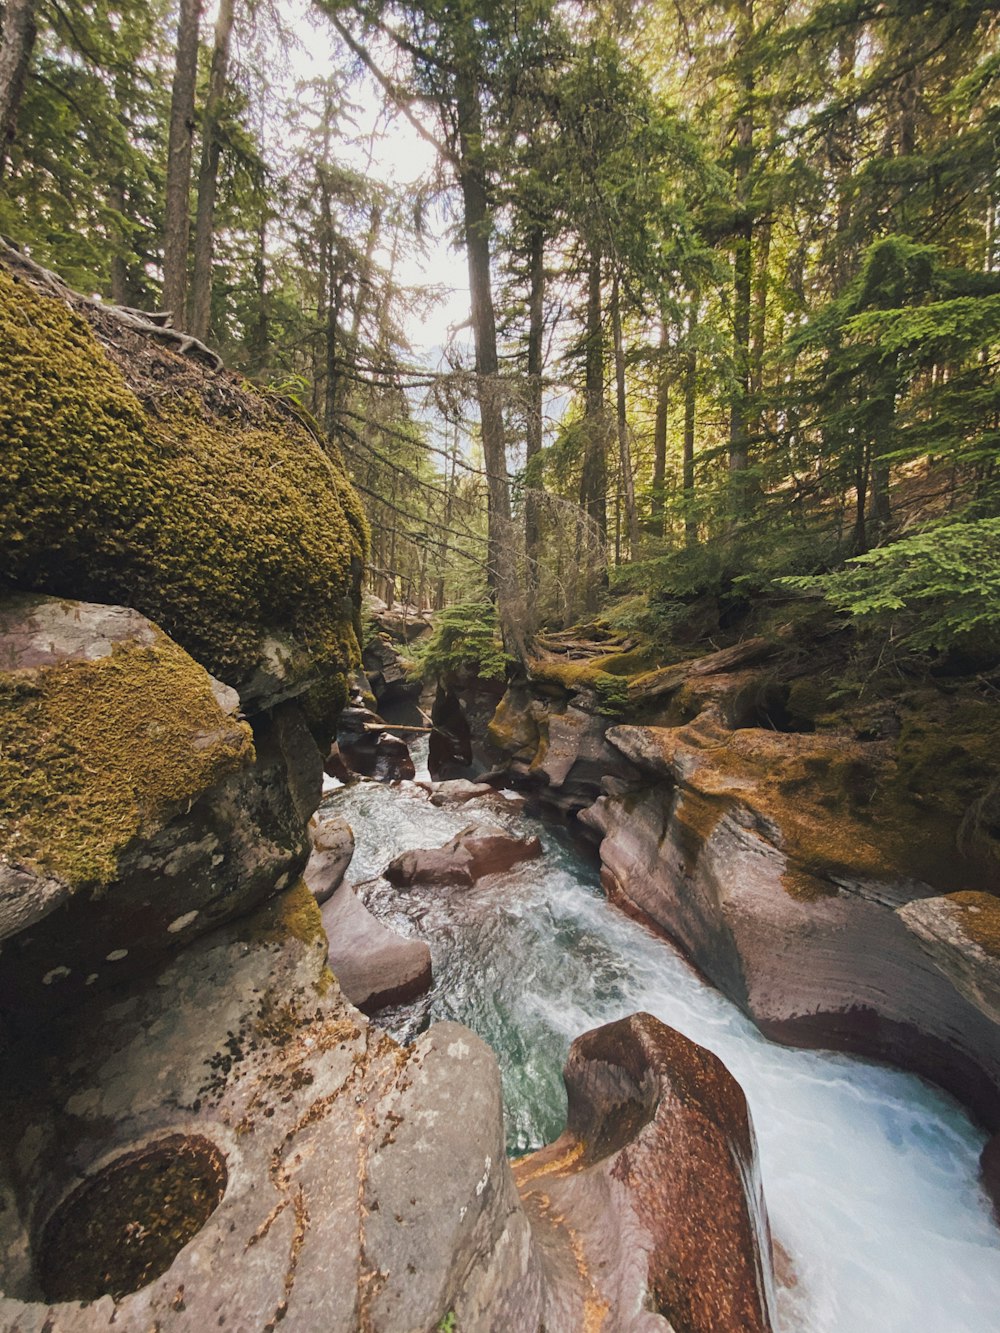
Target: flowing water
(870,1175)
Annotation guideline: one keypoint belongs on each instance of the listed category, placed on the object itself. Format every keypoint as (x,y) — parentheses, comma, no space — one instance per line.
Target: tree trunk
(758,324)
(624,452)
(690,404)
(176,222)
(208,176)
(593,480)
(330,377)
(742,270)
(118,267)
(260,332)
(19,32)
(361,298)
(533,415)
(657,507)
(502,569)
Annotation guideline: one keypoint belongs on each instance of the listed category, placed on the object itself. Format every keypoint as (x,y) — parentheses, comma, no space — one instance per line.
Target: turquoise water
(870,1175)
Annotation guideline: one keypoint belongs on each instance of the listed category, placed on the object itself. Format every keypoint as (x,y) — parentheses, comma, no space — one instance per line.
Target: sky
(397,156)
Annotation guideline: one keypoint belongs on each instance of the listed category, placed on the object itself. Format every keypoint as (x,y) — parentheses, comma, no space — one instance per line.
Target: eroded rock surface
(475,852)
(458,791)
(332,851)
(653,1194)
(801,870)
(366,1185)
(786,898)
(374,966)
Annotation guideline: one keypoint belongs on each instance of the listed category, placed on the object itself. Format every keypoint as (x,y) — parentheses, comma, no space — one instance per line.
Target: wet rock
(462,708)
(393,762)
(470,855)
(755,852)
(401,622)
(335,765)
(657,1180)
(373,965)
(385,669)
(370,749)
(327,1131)
(459,791)
(145,813)
(332,851)
(556,746)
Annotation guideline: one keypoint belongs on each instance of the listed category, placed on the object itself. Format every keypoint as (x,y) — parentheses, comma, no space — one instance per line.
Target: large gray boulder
(140,809)
(328,1178)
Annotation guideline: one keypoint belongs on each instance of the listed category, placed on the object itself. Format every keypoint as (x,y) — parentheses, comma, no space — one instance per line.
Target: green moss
(633,663)
(947,750)
(293,914)
(131,476)
(573,677)
(95,752)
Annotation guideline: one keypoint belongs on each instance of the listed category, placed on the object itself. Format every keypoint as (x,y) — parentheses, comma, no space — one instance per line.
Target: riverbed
(870,1174)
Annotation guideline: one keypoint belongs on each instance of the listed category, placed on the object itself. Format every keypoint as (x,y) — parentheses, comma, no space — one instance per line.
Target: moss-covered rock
(129,474)
(137,809)
(97,753)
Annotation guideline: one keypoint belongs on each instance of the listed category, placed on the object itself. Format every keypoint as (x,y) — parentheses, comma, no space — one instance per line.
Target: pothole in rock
(124,1226)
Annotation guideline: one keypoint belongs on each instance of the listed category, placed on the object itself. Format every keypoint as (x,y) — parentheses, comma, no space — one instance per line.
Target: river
(870,1174)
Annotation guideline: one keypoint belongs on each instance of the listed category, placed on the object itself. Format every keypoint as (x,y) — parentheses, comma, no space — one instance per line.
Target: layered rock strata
(797,870)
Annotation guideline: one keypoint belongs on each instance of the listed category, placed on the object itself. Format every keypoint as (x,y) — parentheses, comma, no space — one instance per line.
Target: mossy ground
(979,917)
(294,913)
(129,475)
(96,752)
(610,690)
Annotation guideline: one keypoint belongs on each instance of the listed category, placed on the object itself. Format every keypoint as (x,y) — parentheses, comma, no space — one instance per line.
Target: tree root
(156,326)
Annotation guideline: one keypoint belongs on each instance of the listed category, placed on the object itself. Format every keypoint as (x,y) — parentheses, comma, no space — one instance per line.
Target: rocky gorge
(200,1128)
(819,870)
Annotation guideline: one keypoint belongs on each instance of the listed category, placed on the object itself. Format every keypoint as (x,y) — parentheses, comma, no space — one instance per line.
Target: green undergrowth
(96,753)
(466,636)
(129,475)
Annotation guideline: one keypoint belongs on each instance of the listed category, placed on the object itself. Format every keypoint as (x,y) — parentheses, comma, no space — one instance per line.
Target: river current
(870,1174)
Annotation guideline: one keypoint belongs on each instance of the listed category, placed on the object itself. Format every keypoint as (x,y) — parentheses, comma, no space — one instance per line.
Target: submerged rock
(459,791)
(650,1204)
(470,855)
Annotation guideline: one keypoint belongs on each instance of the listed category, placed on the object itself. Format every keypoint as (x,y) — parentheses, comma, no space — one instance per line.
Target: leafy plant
(939,589)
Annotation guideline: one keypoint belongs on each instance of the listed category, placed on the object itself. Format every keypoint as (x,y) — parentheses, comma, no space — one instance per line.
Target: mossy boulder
(137,809)
(130,474)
